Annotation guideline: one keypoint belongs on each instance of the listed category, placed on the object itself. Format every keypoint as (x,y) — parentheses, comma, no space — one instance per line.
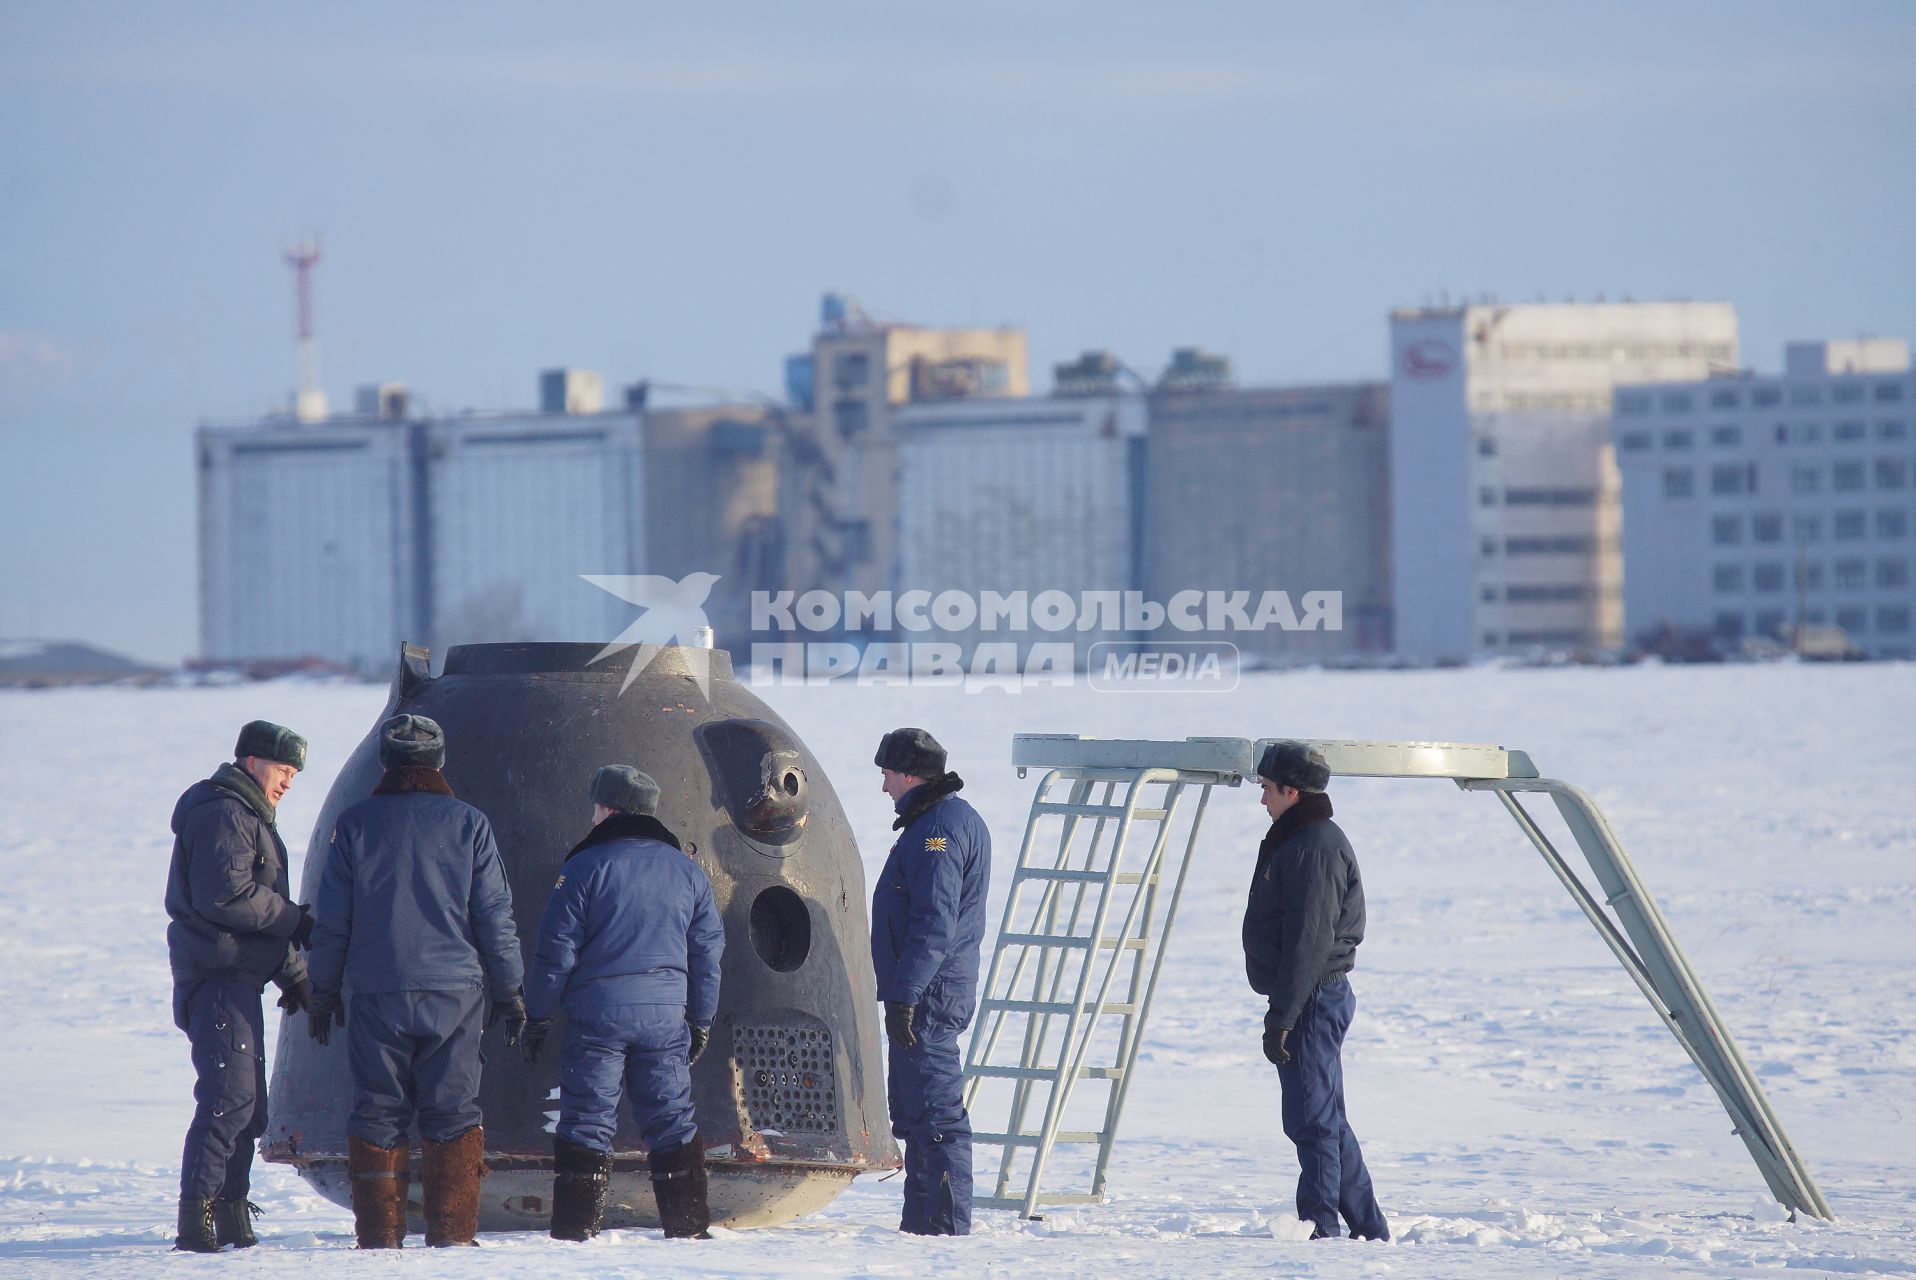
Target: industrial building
(1032,494)
(840,468)
(1765,506)
(1505,503)
(340,537)
(1259,489)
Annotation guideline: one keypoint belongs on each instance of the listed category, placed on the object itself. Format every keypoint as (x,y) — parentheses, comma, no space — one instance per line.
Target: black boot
(233,1223)
(582,1178)
(196,1227)
(678,1180)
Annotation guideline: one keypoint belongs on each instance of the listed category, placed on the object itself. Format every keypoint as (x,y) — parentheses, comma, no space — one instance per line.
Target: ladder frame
(1634,930)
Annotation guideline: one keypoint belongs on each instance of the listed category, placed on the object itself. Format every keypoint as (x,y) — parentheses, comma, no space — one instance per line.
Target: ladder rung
(1010,1202)
(1051,1006)
(1065,940)
(1033,1139)
(1084,877)
(1095,810)
(1044,1073)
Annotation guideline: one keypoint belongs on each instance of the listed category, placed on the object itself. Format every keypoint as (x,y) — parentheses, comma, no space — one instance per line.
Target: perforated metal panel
(788,1078)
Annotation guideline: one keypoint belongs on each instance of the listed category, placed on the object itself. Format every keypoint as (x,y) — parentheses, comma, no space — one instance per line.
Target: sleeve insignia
(560,881)
(935,844)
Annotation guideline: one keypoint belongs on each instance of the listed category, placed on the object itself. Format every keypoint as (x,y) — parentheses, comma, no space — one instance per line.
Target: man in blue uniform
(414,914)
(629,945)
(233,929)
(928,919)
(1302,926)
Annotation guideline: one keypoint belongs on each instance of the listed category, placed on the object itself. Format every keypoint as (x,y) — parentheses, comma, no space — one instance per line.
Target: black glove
(513,1010)
(302,938)
(297,998)
(701,1036)
(532,1036)
(322,1015)
(1274,1046)
(898,1018)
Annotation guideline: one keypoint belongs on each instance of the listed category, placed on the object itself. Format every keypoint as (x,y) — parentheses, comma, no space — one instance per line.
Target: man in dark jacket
(928,919)
(233,930)
(1301,930)
(629,945)
(414,914)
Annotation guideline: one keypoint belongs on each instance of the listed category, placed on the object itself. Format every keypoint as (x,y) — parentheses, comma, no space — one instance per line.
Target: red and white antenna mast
(309,402)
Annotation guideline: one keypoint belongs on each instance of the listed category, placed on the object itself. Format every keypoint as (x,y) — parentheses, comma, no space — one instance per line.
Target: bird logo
(674,615)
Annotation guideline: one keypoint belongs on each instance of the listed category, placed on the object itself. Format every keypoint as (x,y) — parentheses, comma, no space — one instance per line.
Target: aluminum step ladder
(1076,963)
(1056,962)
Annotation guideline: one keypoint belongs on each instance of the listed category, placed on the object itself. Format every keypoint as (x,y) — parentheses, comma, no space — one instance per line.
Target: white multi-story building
(518,508)
(1761,505)
(340,538)
(1026,494)
(1504,487)
(308,541)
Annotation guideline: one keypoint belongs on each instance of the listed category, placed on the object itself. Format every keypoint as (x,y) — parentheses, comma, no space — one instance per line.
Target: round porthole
(781,928)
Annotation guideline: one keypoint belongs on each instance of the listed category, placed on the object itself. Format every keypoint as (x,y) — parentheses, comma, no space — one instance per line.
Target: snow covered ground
(1522,1111)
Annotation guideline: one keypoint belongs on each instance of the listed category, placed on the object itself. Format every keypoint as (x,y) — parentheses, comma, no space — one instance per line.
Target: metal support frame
(1100,783)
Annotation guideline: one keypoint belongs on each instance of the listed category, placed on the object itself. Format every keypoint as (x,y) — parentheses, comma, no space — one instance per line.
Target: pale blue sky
(651,191)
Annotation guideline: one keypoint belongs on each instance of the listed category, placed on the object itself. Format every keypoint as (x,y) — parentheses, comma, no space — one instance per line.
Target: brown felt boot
(450,1178)
(380,1178)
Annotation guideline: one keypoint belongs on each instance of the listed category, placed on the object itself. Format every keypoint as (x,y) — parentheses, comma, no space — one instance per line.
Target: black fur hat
(270,741)
(911,751)
(1293,764)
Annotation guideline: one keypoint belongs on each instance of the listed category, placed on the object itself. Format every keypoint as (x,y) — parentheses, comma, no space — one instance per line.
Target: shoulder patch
(935,844)
(559,881)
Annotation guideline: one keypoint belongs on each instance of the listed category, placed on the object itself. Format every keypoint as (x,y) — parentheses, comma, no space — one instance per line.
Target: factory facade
(1776,506)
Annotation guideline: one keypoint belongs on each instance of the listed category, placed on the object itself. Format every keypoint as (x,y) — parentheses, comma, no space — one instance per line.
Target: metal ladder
(1077,958)
(1101,783)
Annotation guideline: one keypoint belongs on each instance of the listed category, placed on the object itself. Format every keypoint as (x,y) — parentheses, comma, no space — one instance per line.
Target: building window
(851,417)
(1563,545)
(1633,402)
(1847,526)
(1891,473)
(1782,433)
(1892,619)
(858,541)
(1678,439)
(1548,594)
(1768,622)
(1852,618)
(1851,430)
(1737,477)
(1766,526)
(1766,396)
(1550,497)
(1892,429)
(1678,402)
(1486,497)
(1806,432)
(1723,398)
(1846,393)
(1888,391)
(1726,531)
(1488,595)
(1727,578)
(1487,546)
(1892,573)
(851,369)
(1492,640)
(1892,523)
(1807,528)
(1847,477)
(1486,446)
(1849,575)
(1729,625)
(1805,479)
(1678,482)
(1726,435)
(1806,395)
(1809,575)
(1635,441)
(1767,577)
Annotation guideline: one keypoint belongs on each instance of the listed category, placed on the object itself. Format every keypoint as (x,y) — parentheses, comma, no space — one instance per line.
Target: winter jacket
(928,909)
(413,896)
(1305,916)
(226,890)
(631,921)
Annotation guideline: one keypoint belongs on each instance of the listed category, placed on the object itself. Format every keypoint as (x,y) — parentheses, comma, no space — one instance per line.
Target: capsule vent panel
(788,1078)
